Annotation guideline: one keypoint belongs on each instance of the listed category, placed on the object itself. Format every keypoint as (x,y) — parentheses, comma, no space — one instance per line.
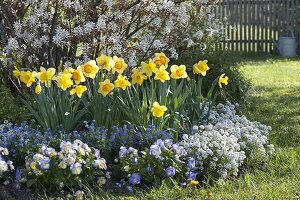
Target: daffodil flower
(161,59)
(27,77)
(90,69)
(38,89)
(201,67)
(223,80)
(149,68)
(161,74)
(45,76)
(137,77)
(118,65)
(105,87)
(104,61)
(178,72)
(158,110)
(78,90)
(121,82)
(64,80)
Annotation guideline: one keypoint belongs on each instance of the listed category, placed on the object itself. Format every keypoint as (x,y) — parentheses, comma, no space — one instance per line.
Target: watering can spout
(277,46)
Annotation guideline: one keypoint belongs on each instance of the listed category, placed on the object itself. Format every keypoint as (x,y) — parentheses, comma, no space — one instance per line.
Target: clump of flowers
(154,94)
(23,139)
(217,154)
(162,160)
(251,136)
(71,166)
(225,141)
(126,135)
(5,165)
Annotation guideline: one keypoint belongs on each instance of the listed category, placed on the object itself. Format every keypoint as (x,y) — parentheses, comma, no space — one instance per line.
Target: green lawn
(275,101)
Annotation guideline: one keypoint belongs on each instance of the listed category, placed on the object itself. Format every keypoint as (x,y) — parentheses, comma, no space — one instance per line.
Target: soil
(11,193)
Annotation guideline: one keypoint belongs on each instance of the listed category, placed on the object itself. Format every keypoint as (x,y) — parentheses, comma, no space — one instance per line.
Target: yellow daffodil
(201,67)
(118,65)
(178,72)
(223,80)
(77,75)
(158,110)
(16,73)
(38,89)
(161,59)
(105,87)
(27,77)
(161,74)
(104,61)
(137,76)
(90,69)
(45,76)
(64,80)
(79,90)
(149,68)
(121,82)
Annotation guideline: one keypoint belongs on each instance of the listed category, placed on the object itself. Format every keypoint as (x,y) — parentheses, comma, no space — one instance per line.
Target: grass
(274,101)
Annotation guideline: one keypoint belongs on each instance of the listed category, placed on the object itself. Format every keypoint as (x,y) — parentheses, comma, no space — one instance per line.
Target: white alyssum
(222,142)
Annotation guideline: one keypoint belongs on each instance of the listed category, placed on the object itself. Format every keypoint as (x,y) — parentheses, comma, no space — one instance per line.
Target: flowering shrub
(69,32)
(73,166)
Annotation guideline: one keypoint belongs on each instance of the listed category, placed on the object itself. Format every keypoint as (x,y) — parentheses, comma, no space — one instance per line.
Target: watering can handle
(291,31)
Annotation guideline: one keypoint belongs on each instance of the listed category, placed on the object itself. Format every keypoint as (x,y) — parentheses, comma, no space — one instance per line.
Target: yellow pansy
(45,76)
(118,65)
(77,75)
(223,80)
(64,80)
(105,87)
(121,82)
(161,59)
(178,72)
(104,61)
(38,89)
(149,68)
(194,182)
(137,76)
(90,69)
(79,90)
(201,67)
(16,73)
(33,165)
(158,110)
(161,74)
(27,77)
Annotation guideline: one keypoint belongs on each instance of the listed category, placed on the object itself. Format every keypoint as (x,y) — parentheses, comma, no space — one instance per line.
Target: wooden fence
(253,25)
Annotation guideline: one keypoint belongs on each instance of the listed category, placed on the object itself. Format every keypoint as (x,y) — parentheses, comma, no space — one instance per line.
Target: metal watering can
(287,46)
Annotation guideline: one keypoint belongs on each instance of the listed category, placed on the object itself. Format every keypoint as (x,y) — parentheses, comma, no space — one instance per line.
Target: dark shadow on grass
(280,109)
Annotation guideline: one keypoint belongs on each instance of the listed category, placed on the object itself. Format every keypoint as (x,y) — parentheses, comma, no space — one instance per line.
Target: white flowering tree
(66,33)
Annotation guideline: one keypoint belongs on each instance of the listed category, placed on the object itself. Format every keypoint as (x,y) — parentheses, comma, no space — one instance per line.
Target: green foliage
(54,107)
(11,108)
(104,110)
(219,62)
